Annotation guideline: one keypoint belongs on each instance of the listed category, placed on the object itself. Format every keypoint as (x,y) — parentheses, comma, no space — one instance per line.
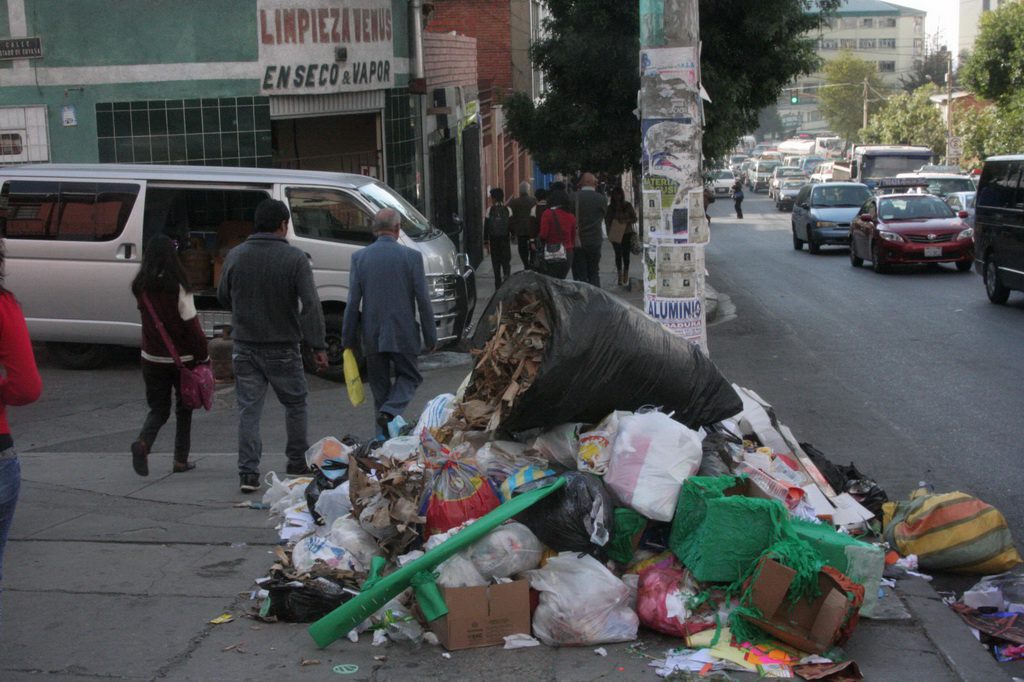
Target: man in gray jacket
(590,206)
(268,286)
(387,286)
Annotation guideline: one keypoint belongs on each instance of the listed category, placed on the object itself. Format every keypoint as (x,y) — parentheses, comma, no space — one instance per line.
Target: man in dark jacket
(387,287)
(590,206)
(521,225)
(268,286)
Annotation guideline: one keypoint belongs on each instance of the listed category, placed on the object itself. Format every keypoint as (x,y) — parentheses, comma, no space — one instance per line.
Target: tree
(996,67)
(908,118)
(931,69)
(841,100)
(769,123)
(750,51)
(992,129)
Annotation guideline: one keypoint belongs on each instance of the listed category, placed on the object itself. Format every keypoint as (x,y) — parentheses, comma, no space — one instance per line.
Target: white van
(75,232)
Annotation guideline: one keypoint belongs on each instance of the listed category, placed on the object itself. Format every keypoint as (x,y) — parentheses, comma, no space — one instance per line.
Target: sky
(943,16)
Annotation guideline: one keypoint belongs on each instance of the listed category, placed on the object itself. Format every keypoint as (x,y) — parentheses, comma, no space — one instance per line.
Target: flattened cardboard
(808,625)
(483,616)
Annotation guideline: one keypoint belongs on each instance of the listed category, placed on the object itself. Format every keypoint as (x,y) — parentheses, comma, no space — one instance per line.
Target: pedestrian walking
(164,299)
(709,198)
(387,287)
(737,197)
(557,227)
(498,236)
(20,385)
(590,206)
(521,225)
(536,215)
(620,219)
(267,284)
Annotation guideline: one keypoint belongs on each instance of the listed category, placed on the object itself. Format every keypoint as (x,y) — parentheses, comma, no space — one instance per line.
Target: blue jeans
(280,366)
(10,485)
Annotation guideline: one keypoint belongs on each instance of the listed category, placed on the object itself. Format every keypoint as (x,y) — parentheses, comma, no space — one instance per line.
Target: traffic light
(794,99)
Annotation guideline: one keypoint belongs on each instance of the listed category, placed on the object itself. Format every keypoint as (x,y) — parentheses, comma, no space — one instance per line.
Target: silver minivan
(75,233)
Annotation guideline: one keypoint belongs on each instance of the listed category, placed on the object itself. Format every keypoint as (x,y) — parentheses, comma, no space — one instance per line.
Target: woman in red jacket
(19,385)
(557,226)
(162,281)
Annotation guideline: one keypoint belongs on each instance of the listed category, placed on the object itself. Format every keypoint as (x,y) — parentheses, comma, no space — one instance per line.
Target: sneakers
(298,469)
(249,483)
(139,458)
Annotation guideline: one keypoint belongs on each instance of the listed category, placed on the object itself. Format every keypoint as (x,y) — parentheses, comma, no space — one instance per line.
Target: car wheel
(997,293)
(79,355)
(877,264)
(855,260)
(964,265)
(812,246)
(798,244)
(335,350)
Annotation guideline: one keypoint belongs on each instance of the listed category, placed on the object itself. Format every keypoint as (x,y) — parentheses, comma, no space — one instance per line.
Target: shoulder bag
(555,253)
(195,386)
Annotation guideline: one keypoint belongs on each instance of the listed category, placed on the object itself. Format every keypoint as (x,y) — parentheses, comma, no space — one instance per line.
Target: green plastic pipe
(343,619)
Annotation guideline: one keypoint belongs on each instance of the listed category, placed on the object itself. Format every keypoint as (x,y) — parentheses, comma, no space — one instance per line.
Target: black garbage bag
(576,518)
(848,479)
(603,355)
(718,453)
(295,602)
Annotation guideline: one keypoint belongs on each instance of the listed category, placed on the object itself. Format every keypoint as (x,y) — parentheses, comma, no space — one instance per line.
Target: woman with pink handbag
(173,344)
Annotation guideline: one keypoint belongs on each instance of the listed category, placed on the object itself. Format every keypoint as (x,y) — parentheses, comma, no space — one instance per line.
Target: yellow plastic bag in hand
(352,379)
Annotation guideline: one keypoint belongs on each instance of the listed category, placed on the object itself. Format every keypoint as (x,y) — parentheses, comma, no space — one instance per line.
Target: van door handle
(126,250)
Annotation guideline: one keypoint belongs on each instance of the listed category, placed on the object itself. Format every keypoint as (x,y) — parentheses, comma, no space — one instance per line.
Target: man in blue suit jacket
(387,286)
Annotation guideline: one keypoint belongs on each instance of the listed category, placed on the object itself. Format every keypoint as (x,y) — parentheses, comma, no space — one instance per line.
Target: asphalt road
(913,376)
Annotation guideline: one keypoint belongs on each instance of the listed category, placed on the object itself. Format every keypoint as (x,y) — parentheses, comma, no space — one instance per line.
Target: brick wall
(487,21)
(449,60)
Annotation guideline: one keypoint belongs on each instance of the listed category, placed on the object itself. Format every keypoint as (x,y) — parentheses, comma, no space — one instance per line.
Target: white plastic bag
(435,413)
(333,504)
(652,456)
(581,603)
(595,449)
(346,533)
(559,444)
(400,449)
(500,459)
(315,547)
(281,495)
(326,448)
(507,550)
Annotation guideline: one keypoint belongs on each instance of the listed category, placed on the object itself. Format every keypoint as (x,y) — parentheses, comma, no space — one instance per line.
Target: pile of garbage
(595,474)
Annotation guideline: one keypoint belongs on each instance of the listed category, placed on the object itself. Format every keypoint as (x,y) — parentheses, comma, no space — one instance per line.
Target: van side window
(999,185)
(329,214)
(72,211)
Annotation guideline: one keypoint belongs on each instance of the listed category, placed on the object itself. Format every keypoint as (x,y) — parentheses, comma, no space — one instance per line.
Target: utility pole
(949,102)
(865,123)
(671,120)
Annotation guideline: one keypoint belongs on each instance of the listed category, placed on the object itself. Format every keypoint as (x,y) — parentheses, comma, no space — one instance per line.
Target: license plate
(933,252)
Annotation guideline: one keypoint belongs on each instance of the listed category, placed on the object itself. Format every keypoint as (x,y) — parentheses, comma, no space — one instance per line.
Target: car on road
(999,225)
(778,173)
(823,212)
(962,201)
(822,172)
(904,229)
(785,196)
(942,184)
(809,163)
(723,182)
(760,174)
(735,161)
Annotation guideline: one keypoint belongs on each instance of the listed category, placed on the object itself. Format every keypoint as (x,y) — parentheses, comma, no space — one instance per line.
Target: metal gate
(472,218)
(444,188)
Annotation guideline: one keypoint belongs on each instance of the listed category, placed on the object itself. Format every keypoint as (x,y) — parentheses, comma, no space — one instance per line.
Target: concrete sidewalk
(109,575)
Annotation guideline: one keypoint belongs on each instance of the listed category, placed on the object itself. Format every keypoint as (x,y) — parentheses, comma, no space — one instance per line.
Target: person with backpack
(737,197)
(498,236)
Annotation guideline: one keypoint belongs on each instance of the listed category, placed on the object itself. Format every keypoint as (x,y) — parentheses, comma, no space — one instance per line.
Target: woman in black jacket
(161,282)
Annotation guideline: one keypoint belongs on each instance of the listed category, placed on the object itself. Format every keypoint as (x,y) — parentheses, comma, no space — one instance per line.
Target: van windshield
(413,223)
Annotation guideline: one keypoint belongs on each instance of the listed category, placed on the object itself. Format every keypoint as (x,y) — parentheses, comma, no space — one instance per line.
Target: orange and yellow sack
(950,532)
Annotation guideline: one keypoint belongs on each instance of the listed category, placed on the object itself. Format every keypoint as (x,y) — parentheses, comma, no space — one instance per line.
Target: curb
(953,641)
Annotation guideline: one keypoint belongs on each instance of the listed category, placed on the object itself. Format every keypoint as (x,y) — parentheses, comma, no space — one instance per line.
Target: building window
(887,67)
(887,22)
(827,44)
(888,43)
(400,144)
(867,22)
(918,44)
(867,43)
(225,131)
(848,43)
(847,22)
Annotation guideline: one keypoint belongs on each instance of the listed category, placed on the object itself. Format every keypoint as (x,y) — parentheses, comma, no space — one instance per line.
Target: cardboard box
(483,616)
(814,625)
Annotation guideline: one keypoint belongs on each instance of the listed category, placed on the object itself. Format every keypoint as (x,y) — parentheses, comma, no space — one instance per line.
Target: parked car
(760,174)
(723,182)
(999,225)
(823,212)
(785,196)
(778,173)
(910,229)
(962,201)
(942,184)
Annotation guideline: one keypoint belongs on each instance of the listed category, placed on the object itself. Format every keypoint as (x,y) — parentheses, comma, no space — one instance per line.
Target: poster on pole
(682,316)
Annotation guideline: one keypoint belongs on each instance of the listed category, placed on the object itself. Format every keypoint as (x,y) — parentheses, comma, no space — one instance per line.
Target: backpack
(498,220)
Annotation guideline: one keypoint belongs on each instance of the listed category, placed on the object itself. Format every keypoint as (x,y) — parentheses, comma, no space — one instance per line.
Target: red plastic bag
(458,493)
(663,603)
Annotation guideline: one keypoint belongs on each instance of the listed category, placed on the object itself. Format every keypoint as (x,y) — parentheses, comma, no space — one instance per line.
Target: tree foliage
(991,130)
(590,61)
(841,101)
(908,118)
(996,67)
(931,69)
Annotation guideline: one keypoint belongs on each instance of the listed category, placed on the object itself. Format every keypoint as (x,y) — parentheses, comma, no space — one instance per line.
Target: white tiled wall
(31,123)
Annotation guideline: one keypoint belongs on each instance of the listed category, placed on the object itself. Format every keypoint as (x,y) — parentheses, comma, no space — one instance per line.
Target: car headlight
(825,223)
(966,234)
(890,236)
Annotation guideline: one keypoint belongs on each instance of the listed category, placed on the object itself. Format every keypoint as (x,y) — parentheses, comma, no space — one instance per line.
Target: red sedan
(910,229)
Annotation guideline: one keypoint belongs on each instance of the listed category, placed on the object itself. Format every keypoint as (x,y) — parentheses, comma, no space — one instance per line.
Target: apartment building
(970,17)
(886,34)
